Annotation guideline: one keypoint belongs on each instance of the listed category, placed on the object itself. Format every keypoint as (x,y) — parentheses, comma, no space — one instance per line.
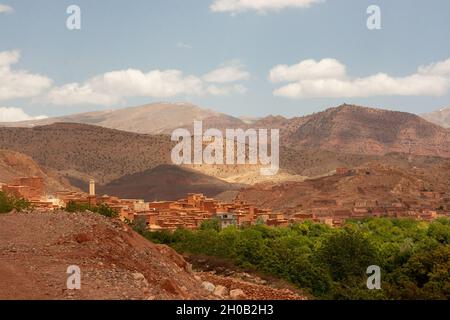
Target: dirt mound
(115,262)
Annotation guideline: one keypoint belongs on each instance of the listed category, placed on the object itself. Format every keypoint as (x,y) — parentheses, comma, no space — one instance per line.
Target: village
(190,212)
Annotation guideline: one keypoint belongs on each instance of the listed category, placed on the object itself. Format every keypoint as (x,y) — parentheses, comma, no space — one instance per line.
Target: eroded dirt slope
(116,263)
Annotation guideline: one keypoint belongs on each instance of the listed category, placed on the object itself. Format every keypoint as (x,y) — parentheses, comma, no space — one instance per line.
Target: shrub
(8,203)
(102,209)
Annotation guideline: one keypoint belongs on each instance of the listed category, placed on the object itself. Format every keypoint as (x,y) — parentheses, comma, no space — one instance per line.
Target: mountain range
(128,150)
(147,119)
(347,128)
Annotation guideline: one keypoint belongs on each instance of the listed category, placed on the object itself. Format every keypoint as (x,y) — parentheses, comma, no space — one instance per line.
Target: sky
(241,57)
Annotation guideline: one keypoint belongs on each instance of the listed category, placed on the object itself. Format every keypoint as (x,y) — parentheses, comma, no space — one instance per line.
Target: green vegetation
(8,203)
(328,263)
(102,209)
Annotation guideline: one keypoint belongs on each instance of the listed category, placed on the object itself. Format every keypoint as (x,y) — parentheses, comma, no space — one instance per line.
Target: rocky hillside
(83,151)
(14,164)
(373,181)
(360,130)
(115,262)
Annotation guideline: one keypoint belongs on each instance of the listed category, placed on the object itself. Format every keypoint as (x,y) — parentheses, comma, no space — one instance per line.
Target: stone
(208,286)
(237,294)
(221,291)
(138,276)
(83,237)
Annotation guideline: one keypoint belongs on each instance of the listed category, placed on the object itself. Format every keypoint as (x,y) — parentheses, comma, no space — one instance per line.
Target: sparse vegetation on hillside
(84,151)
(414,257)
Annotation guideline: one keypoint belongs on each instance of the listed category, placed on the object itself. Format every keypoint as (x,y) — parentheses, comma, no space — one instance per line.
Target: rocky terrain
(14,164)
(115,262)
(84,151)
(360,130)
(373,181)
(236,288)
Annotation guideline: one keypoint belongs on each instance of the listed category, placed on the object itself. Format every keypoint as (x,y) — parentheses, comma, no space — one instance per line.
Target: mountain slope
(360,130)
(83,151)
(345,129)
(80,152)
(165,182)
(14,164)
(152,118)
(375,181)
(440,117)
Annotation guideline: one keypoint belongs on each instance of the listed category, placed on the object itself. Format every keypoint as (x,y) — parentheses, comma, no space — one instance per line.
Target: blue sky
(135,52)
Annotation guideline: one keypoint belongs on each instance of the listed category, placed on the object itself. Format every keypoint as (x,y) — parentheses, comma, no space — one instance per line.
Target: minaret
(92,187)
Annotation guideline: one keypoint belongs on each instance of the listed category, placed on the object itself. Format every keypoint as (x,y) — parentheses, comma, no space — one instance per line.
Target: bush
(8,203)
(102,209)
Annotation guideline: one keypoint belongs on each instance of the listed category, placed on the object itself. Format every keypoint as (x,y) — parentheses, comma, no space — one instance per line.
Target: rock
(138,276)
(208,286)
(83,237)
(237,294)
(221,291)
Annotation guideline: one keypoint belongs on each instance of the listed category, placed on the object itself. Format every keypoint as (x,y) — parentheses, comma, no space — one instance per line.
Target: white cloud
(328,79)
(441,68)
(19,83)
(16,114)
(74,93)
(114,87)
(231,71)
(262,6)
(308,70)
(6,9)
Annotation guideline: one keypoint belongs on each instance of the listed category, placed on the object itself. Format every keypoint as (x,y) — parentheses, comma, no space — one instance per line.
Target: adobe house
(226,219)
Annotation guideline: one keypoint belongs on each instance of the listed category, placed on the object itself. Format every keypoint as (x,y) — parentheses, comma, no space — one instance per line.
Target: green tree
(106,211)
(211,224)
(347,253)
(6,204)
(139,225)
